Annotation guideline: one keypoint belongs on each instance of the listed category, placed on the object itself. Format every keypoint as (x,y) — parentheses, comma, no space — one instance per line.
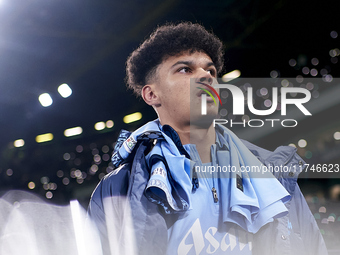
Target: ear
(150,95)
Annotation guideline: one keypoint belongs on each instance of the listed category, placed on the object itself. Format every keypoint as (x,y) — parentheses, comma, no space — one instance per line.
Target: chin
(203,121)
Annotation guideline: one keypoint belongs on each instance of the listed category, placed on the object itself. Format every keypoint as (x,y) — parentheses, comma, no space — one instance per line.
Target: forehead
(195,58)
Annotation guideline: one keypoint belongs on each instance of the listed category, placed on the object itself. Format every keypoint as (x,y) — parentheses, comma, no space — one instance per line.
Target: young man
(156,202)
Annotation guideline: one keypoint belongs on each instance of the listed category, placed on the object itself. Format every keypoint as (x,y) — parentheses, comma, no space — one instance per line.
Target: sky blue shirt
(201,230)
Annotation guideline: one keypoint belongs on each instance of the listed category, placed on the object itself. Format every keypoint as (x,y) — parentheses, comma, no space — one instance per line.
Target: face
(177,99)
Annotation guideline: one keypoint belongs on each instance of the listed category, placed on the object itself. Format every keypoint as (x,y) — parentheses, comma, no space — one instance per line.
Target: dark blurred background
(85,44)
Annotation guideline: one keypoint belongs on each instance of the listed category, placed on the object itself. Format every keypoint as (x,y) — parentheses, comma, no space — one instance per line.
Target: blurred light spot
(292,145)
(99,125)
(231,116)
(245,118)
(110,124)
(274,74)
(258,93)
(95,151)
(66,156)
(80,181)
(109,169)
(106,157)
(64,90)
(49,194)
(308,154)
(315,61)
(322,209)
(264,91)
(73,131)
(77,173)
(101,175)
(45,186)
(267,103)
(309,86)
(93,169)
(132,117)
(327,78)
(334,60)
(292,62)
(44,180)
(302,143)
(336,135)
(332,53)
(31,185)
(52,186)
(305,70)
(60,173)
(317,216)
(105,149)
(79,149)
(72,173)
(224,94)
(66,181)
(96,158)
(334,34)
(231,75)
(337,51)
(331,218)
(284,83)
(223,112)
(313,72)
(83,175)
(324,221)
(299,78)
(19,143)
(44,138)
(323,71)
(315,94)
(45,99)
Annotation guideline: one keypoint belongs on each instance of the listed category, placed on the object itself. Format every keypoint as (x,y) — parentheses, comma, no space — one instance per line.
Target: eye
(184,70)
(212,72)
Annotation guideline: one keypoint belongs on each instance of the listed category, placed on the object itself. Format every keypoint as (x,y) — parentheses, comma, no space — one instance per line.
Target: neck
(202,137)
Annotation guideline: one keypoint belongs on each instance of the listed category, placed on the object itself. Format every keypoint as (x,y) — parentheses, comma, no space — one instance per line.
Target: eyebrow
(191,63)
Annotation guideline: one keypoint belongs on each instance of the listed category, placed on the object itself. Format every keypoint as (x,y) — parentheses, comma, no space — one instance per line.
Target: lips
(208,90)
(209,98)
(201,92)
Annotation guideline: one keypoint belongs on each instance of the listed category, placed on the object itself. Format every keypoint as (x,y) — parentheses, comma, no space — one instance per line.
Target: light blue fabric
(295,233)
(251,208)
(257,204)
(163,180)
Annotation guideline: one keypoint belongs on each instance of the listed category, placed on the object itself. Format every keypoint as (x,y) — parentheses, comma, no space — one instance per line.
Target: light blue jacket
(295,233)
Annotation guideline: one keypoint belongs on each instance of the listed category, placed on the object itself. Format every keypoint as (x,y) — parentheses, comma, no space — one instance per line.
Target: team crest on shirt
(129,144)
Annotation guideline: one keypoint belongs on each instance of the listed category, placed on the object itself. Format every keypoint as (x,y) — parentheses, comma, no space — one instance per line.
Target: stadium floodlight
(45,99)
(132,117)
(65,90)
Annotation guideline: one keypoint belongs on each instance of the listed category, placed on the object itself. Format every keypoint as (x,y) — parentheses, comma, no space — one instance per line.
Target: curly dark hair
(170,40)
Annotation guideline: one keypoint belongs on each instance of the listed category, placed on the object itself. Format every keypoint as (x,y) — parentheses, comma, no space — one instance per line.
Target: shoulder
(113,184)
(281,156)
(283,162)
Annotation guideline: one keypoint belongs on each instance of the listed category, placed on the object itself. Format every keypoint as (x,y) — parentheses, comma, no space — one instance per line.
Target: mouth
(207,92)
(204,92)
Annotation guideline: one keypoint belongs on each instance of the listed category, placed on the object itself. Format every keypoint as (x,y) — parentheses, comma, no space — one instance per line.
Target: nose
(205,77)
